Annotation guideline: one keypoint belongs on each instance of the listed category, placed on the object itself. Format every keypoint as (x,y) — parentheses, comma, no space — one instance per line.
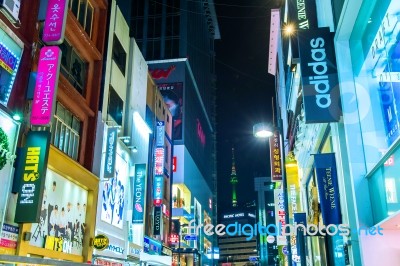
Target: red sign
(173,238)
(159,161)
(161,73)
(174,159)
(106,262)
(275,157)
(54,25)
(390,161)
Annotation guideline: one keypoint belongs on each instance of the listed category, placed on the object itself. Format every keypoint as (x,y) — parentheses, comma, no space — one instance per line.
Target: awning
(156,259)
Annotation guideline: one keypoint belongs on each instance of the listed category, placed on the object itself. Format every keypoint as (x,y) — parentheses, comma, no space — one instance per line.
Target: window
(65,132)
(83,11)
(119,54)
(115,106)
(73,67)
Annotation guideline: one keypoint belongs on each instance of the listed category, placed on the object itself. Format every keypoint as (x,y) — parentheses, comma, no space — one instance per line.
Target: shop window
(65,133)
(83,11)
(115,106)
(119,54)
(73,67)
(384,186)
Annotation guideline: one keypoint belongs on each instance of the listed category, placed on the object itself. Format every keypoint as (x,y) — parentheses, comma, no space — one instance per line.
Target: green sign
(101,242)
(30,193)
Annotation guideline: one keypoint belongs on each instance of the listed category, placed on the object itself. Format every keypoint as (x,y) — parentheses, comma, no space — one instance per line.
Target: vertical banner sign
(30,193)
(279,214)
(275,157)
(159,158)
(294,204)
(111,152)
(303,14)
(328,190)
(301,218)
(321,94)
(138,193)
(157,221)
(274,31)
(44,97)
(54,25)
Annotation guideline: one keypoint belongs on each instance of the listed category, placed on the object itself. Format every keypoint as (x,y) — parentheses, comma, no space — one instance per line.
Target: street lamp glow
(262,130)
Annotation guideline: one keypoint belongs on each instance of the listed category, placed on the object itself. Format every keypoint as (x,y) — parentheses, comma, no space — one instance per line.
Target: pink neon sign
(46,85)
(54,25)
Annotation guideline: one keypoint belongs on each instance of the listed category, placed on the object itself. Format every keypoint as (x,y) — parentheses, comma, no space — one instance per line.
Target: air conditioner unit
(10,8)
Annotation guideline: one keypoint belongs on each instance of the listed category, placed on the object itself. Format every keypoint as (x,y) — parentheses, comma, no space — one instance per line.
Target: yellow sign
(101,242)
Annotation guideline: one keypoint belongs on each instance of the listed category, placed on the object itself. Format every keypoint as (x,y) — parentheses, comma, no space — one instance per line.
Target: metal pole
(179,247)
(284,188)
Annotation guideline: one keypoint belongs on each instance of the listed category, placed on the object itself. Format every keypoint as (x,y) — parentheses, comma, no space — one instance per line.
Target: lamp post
(264,130)
(179,243)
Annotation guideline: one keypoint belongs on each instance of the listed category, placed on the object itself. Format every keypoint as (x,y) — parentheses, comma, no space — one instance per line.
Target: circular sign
(101,242)
(284,250)
(270,239)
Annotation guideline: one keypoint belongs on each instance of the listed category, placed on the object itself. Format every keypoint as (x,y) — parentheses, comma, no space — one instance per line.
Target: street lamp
(179,243)
(264,130)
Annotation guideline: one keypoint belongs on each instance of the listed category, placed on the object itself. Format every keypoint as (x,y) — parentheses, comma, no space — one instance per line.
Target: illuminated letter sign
(30,193)
(138,193)
(157,221)
(111,151)
(319,76)
(54,25)
(159,158)
(46,86)
(275,157)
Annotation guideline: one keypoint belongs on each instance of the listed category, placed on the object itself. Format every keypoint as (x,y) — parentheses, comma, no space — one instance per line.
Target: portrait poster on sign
(173,98)
(62,216)
(113,194)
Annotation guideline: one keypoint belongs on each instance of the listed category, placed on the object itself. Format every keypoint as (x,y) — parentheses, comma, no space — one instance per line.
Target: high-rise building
(177,40)
(234,180)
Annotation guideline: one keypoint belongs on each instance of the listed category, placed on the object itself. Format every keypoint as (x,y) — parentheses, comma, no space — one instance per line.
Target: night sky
(244,95)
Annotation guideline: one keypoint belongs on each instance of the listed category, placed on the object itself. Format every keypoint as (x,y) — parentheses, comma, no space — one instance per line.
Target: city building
(341,58)
(62,50)
(267,249)
(177,41)
(240,248)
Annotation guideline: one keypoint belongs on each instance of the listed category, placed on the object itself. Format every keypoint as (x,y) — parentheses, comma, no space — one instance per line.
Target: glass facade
(377,75)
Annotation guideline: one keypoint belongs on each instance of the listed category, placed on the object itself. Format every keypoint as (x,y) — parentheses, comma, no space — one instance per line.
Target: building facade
(177,40)
(343,130)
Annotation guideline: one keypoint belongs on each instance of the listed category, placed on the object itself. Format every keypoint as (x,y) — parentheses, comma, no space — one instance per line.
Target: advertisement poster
(173,98)
(62,216)
(113,194)
(9,130)
(8,239)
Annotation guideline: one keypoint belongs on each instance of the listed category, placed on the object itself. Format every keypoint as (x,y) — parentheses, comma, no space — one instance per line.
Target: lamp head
(262,130)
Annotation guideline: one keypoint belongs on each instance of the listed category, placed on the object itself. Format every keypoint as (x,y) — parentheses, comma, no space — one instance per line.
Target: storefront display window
(377,76)
(377,79)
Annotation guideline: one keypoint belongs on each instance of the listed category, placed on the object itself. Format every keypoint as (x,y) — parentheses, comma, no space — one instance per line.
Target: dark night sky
(244,96)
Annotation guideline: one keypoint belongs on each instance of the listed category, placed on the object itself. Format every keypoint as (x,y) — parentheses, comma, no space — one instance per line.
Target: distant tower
(234,180)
